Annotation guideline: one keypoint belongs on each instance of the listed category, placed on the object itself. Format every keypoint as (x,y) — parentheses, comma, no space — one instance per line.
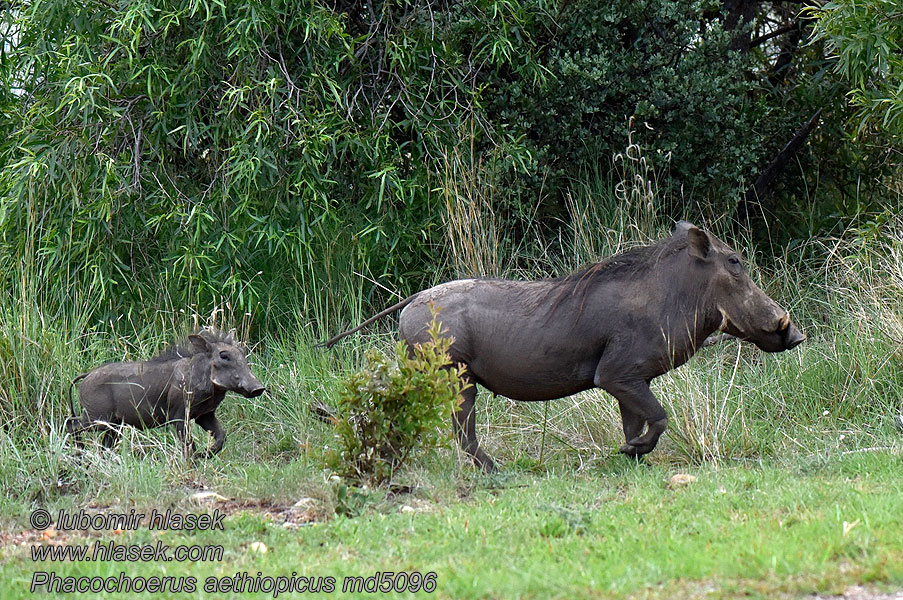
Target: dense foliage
(239,152)
(666,64)
(192,144)
(866,38)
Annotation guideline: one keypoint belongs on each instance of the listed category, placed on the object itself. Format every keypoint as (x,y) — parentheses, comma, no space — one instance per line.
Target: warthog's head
(746,311)
(228,365)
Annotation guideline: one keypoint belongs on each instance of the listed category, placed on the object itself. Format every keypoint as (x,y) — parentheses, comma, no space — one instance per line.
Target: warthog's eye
(225,356)
(734,261)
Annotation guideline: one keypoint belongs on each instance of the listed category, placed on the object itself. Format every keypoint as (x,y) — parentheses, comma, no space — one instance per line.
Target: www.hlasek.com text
(242,583)
(101,551)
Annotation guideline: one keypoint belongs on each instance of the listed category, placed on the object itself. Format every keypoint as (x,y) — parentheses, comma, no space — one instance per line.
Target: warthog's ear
(230,339)
(199,343)
(698,243)
(682,227)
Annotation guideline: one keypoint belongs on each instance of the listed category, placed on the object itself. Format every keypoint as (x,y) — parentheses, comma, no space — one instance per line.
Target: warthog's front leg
(639,399)
(210,423)
(637,402)
(465,423)
(632,423)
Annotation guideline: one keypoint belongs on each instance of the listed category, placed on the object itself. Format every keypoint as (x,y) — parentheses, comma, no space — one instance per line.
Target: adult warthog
(181,384)
(615,325)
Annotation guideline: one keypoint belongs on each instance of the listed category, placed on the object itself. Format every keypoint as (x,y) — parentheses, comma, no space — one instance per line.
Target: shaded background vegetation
(237,151)
(283,166)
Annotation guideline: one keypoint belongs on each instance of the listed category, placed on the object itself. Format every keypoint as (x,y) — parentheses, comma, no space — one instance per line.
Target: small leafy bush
(389,412)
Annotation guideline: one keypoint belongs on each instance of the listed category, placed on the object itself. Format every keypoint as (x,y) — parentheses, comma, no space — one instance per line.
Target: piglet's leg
(210,423)
(185,441)
(178,410)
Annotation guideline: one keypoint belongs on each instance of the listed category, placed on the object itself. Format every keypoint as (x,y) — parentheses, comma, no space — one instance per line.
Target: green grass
(771,529)
(797,456)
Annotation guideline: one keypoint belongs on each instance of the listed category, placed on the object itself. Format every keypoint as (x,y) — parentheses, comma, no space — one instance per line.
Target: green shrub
(388,412)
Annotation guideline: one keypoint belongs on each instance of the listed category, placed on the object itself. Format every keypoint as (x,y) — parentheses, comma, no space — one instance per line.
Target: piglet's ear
(199,343)
(698,243)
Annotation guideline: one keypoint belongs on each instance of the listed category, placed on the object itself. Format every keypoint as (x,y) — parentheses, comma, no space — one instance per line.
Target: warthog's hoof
(483,461)
(629,450)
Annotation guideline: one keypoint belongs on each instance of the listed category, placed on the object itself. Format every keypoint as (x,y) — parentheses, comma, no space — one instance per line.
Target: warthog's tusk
(785,322)
(723,319)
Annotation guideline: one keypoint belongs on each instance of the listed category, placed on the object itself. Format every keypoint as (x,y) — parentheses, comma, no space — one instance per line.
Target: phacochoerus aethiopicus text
(615,325)
(181,384)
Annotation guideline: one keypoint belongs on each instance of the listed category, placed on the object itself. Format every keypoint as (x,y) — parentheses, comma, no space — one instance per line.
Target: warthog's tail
(331,341)
(323,413)
(71,385)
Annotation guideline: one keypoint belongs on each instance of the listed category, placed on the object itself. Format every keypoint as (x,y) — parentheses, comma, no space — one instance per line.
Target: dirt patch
(858,592)
(304,512)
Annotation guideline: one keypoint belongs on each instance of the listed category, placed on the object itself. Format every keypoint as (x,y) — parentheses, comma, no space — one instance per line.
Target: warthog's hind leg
(465,423)
(110,436)
(75,426)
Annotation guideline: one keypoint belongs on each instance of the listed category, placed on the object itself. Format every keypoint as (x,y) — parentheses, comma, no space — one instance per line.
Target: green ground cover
(777,528)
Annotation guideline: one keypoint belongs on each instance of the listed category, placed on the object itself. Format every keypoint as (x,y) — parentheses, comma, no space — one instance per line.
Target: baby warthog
(181,384)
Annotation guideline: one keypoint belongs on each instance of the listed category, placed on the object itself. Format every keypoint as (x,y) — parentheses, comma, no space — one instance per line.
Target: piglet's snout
(252,389)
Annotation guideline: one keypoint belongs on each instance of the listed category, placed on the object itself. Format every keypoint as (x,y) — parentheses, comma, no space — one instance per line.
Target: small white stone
(304,503)
(259,547)
(207,496)
(681,480)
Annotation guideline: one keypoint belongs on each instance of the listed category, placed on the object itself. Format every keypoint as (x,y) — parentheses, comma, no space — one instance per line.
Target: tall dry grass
(838,391)
(472,229)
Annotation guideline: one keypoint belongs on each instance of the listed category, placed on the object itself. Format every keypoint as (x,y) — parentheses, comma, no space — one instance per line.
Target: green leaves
(200,142)
(663,62)
(194,144)
(866,38)
(388,411)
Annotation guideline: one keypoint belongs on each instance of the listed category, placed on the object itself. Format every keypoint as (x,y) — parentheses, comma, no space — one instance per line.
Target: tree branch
(765,181)
(780,31)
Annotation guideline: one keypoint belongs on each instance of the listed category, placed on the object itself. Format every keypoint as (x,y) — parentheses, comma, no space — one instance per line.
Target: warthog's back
(526,340)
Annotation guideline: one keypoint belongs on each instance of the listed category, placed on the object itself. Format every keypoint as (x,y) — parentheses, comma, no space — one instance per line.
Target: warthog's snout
(792,337)
(780,336)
